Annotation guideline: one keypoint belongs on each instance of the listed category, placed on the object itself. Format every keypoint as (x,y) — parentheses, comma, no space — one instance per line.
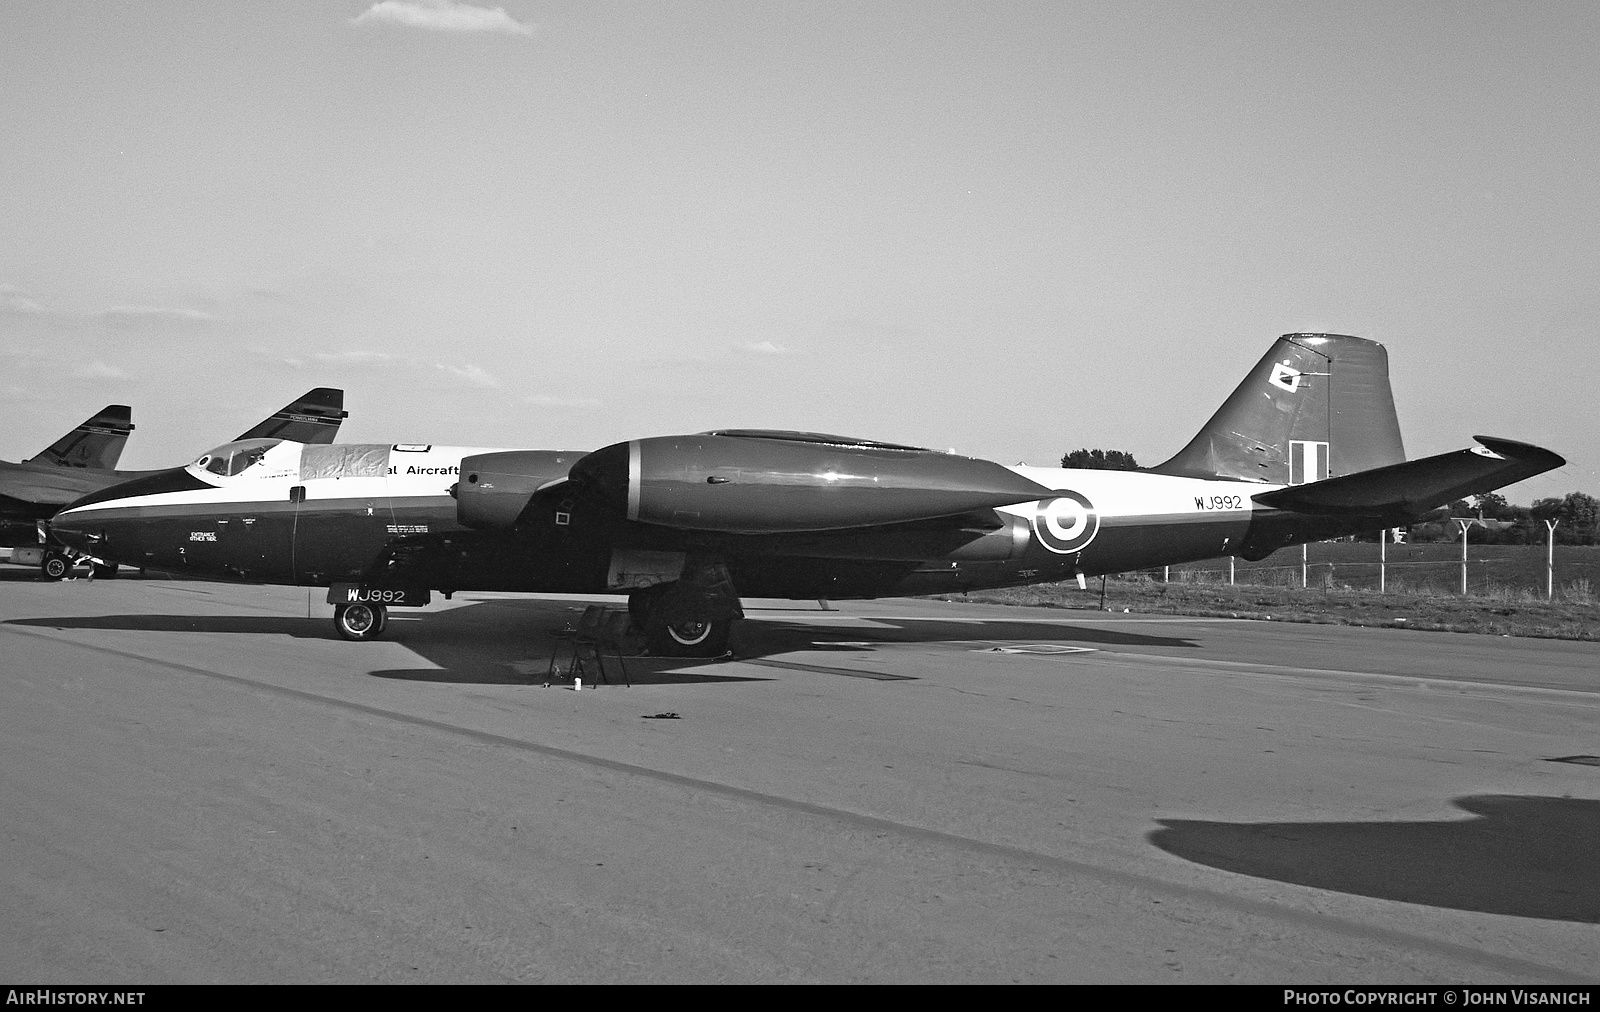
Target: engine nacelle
(759,482)
(495,487)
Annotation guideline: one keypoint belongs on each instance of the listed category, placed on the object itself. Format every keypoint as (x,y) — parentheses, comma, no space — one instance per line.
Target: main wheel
(696,638)
(360,622)
(54,567)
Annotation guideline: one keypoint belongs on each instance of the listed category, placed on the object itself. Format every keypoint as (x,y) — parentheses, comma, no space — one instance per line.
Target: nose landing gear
(360,622)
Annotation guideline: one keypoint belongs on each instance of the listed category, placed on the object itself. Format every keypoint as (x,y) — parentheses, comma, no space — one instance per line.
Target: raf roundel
(1065,523)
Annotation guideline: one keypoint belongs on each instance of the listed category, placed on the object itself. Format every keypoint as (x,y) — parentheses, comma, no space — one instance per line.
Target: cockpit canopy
(230,459)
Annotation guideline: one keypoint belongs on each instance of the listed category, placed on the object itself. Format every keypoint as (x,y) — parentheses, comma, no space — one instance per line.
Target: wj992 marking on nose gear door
(394,597)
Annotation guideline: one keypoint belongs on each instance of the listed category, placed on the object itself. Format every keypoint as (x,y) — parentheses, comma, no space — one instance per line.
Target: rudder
(1315,406)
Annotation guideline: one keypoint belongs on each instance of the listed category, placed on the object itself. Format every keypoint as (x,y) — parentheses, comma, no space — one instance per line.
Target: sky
(1009,229)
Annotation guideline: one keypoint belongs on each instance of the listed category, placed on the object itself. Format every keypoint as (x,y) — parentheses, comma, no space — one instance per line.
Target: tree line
(1577,514)
(1577,517)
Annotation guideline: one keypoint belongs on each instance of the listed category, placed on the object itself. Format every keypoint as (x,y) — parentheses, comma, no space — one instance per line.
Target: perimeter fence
(1503,572)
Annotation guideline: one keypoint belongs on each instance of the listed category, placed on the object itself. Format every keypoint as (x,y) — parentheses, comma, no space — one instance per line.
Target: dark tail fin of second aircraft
(314,418)
(1315,406)
(97,443)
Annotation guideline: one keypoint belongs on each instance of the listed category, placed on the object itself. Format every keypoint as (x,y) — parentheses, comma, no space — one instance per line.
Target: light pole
(1465,526)
(1550,561)
(1383,560)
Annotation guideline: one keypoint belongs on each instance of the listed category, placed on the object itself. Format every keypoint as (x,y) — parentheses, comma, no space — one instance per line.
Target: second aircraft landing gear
(55,566)
(360,621)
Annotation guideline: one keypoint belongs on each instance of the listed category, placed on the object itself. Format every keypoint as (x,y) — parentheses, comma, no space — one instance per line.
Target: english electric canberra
(1306,448)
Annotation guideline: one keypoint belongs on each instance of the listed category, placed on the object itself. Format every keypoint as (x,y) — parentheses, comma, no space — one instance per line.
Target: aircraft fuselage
(284,520)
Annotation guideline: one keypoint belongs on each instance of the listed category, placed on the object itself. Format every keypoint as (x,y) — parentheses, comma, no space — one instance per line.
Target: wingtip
(1526,452)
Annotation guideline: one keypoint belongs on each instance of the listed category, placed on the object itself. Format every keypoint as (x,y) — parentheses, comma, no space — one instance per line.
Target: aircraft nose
(82,531)
(86,524)
(70,532)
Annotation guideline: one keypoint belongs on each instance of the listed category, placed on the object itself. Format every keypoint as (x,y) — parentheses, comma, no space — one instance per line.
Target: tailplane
(1402,493)
(314,418)
(97,443)
(1315,406)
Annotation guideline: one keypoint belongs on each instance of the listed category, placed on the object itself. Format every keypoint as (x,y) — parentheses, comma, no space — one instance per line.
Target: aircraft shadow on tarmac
(1524,856)
(771,637)
(30,574)
(252,624)
(510,641)
(485,643)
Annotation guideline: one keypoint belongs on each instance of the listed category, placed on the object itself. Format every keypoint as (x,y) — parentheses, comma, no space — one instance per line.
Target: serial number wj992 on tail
(1306,448)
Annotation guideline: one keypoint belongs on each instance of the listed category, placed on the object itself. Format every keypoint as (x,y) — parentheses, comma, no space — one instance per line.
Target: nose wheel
(360,622)
(54,566)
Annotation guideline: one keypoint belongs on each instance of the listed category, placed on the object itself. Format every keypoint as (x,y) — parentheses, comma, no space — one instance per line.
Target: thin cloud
(443,16)
(98,370)
(764,348)
(546,401)
(153,318)
(358,358)
(13,302)
(472,374)
(353,357)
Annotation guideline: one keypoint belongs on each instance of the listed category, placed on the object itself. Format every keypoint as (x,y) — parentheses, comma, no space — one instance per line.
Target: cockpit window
(233,458)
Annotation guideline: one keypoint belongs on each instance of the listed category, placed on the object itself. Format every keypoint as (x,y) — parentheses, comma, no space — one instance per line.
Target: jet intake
(496,487)
(758,483)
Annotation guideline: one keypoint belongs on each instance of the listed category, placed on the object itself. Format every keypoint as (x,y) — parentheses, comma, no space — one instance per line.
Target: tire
(704,638)
(105,570)
(55,567)
(360,622)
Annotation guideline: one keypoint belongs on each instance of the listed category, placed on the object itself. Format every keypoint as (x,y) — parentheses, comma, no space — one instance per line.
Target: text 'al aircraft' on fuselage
(1306,448)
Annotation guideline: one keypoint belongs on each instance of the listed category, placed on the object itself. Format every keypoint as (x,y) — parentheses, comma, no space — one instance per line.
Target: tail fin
(314,418)
(1315,406)
(97,443)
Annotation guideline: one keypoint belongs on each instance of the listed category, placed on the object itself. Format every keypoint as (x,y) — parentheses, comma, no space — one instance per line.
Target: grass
(1415,600)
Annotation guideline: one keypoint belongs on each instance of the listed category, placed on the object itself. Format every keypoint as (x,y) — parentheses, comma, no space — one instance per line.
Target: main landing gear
(691,638)
(679,624)
(360,622)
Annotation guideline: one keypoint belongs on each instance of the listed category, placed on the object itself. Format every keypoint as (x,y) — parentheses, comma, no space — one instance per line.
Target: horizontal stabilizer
(1417,486)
